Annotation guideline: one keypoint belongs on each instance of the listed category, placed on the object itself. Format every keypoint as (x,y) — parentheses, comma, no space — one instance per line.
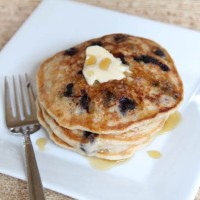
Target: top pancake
(153,89)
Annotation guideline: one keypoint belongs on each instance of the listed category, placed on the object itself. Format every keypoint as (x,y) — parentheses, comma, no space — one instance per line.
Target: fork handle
(34,181)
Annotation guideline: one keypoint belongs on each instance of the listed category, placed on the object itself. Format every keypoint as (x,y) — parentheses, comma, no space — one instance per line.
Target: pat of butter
(102,66)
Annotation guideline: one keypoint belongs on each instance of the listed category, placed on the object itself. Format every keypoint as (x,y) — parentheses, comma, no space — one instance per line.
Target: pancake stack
(113,119)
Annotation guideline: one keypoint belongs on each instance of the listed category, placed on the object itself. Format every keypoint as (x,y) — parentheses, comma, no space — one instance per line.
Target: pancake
(151,92)
(91,144)
(115,118)
(107,152)
(53,137)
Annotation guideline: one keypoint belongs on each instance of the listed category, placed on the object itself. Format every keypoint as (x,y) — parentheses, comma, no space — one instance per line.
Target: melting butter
(41,142)
(172,121)
(102,66)
(102,164)
(154,154)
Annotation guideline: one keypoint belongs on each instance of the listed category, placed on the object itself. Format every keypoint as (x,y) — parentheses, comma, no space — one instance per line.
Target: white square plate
(59,24)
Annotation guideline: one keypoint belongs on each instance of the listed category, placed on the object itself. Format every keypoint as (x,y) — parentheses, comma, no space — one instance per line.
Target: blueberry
(159,52)
(98,43)
(108,97)
(82,147)
(70,52)
(121,56)
(80,72)
(126,104)
(69,90)
(120,38)
(164,67)
(89,136)
(85,100)
(149,59)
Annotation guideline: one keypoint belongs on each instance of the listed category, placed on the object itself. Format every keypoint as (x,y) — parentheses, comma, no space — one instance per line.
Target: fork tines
(23,102)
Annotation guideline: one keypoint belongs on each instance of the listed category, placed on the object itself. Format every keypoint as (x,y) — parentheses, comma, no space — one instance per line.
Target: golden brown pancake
(153,89)
(90,144)
(109,120)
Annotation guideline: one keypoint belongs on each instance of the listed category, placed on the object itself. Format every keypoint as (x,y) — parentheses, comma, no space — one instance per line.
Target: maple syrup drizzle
(173,120)
(154,154)
(102,164)
(41,142)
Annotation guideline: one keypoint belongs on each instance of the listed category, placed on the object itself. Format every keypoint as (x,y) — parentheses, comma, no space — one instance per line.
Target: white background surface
(58,25)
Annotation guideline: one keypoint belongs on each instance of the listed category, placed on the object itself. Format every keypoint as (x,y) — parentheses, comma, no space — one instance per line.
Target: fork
(25,126)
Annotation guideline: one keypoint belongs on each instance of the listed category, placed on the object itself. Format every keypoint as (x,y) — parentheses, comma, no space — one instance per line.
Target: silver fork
(19,126)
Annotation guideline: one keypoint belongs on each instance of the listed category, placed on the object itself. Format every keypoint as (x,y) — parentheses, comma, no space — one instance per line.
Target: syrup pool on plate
(154,154)
(102,164)
(41,142)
